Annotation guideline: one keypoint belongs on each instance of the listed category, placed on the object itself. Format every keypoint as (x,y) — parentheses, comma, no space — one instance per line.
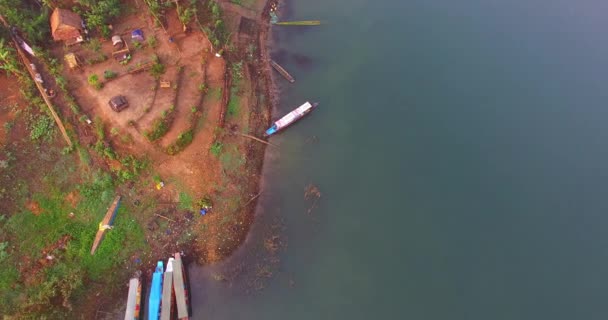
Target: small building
(66,26)
(72,60)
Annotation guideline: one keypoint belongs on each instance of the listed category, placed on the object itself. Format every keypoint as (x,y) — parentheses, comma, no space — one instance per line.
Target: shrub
(41,128)
(94,81)
(183,140)
(161,125)
(157,69)
(216,148)
(152,42)
(109,74)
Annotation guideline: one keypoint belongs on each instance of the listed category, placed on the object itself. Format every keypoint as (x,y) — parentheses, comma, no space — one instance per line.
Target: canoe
(166,312)
(134,299)
(156,291)
(291,117)
(181,288)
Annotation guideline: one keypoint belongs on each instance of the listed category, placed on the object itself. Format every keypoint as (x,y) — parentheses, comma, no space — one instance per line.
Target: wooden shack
(66,26)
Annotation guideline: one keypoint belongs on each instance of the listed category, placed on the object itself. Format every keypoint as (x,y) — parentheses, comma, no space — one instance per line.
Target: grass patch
(234,104)
(185,201)
(62,279)
(232,159)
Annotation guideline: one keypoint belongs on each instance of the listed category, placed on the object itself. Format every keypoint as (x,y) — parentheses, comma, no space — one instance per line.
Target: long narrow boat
(134,299)
(166,312)
(282,71)
(291,117)
(106,223)
(156,291)
(181,289)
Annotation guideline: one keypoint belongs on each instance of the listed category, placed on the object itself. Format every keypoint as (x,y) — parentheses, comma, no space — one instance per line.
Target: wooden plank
(108,220)
(180,288)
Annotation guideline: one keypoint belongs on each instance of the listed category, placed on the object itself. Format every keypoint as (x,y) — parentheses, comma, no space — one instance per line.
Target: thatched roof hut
(65,25)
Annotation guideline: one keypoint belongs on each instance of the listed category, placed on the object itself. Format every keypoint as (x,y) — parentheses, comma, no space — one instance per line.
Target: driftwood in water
(258,140)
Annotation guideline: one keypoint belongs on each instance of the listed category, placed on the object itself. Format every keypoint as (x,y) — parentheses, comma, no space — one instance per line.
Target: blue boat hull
(156,292)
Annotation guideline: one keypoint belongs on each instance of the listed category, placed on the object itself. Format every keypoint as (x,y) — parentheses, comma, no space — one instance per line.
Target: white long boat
(291,117)
(134,299)
(167,302)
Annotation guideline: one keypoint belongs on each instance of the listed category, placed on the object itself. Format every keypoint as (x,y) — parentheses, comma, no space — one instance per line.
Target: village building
(66,26)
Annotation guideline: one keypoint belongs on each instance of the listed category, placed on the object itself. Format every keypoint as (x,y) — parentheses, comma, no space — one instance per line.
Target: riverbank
(165,154)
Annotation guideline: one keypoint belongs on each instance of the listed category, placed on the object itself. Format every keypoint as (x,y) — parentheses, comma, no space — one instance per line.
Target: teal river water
(462,157)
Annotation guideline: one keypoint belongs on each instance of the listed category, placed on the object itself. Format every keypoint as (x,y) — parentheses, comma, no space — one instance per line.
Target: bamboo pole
(299,23)
(44,96)
(40,88)
(258,140)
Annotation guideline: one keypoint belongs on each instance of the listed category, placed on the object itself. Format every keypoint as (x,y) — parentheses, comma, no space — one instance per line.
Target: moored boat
(291,117)
(180,287)
(156,291)
(134,299)
(167,302)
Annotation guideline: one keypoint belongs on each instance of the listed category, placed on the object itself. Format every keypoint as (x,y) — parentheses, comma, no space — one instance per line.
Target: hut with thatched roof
(66,26)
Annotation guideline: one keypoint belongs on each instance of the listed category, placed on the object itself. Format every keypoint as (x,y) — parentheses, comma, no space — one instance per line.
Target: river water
(460,149)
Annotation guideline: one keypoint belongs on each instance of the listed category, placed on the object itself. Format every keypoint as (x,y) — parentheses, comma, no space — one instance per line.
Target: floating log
(299,23)
(106,223)
(282,71)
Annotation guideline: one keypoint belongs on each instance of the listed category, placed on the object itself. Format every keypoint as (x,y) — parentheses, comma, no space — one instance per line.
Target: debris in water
(313,194)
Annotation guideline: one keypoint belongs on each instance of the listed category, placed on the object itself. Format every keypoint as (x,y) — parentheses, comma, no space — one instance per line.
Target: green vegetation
(109,74)
(99,14)
(62,240)
(236,70)
(216,148)
(42,127)
(8,59)
(94,45)
(234,103)
(94,81)
(161,125)
(232,159)
(185,201)
(152,42)
(210,20)
(183,140)
(34,24)
(157,69)
(186,15)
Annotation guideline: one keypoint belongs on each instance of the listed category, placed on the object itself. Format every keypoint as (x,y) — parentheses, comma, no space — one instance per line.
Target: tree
(100,11)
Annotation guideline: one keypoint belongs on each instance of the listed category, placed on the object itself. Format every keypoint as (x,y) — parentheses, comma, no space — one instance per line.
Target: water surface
(462,157)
